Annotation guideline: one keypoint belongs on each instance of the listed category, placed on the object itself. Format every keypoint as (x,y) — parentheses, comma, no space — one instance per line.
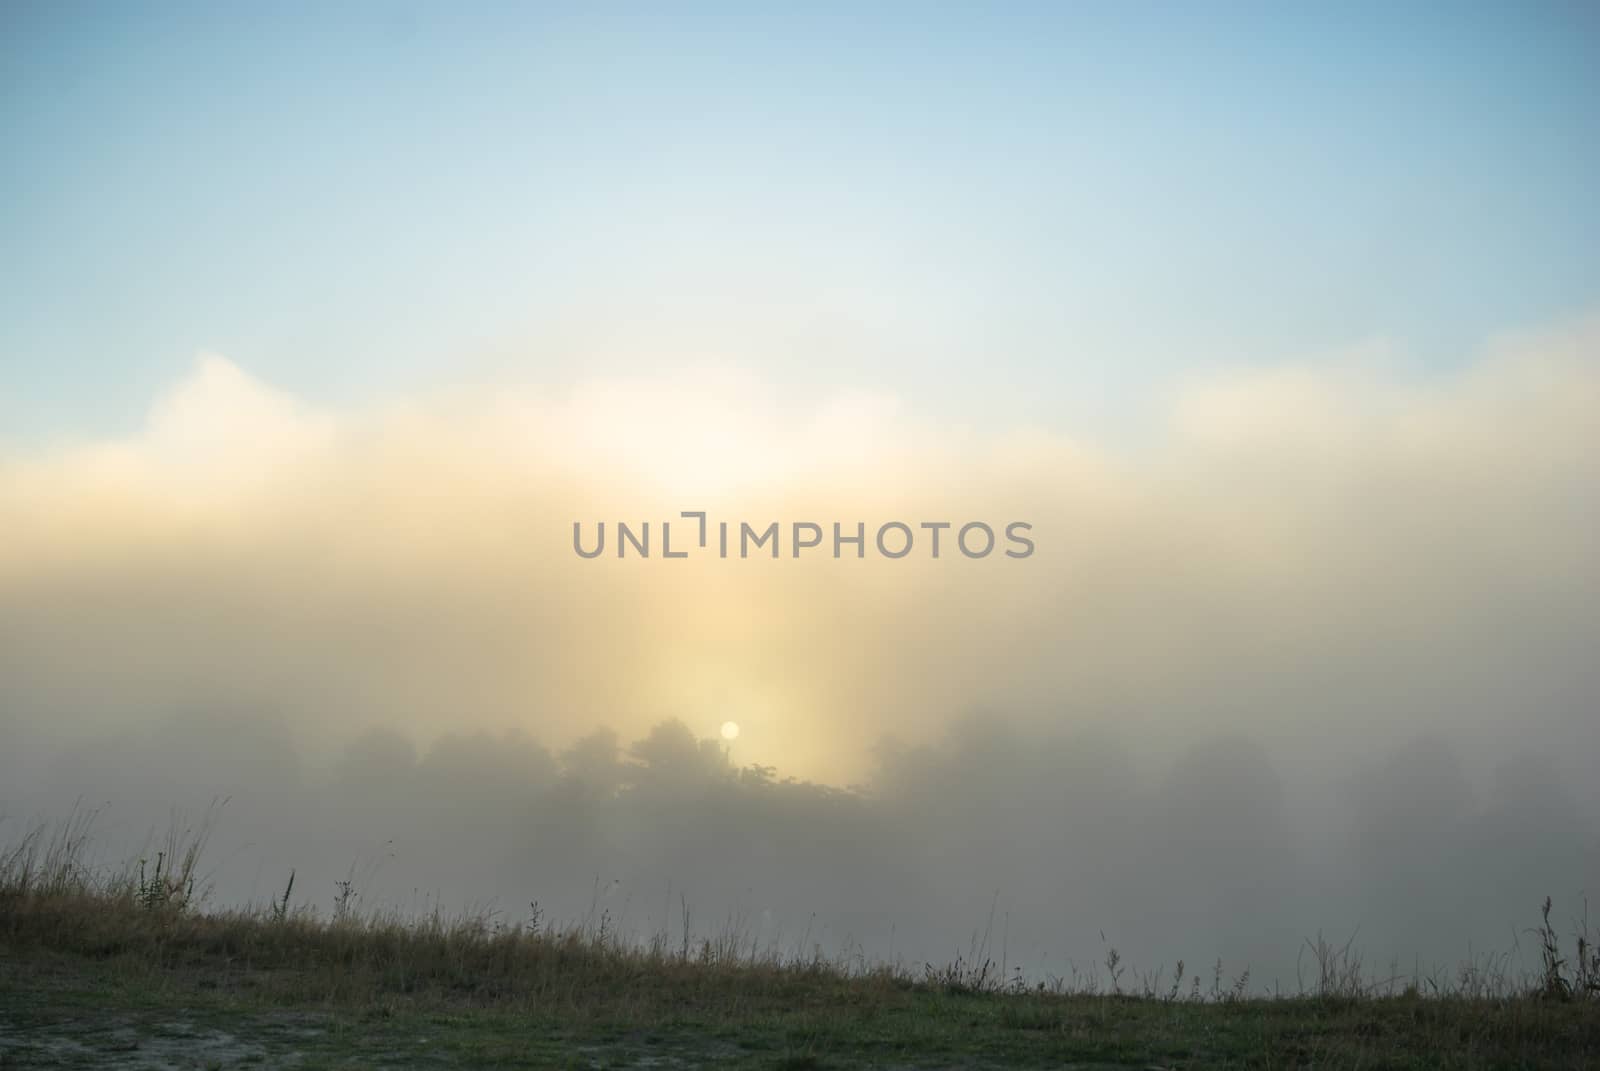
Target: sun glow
(730,730)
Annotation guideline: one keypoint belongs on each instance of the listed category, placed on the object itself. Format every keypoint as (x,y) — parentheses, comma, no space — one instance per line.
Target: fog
(1317,653)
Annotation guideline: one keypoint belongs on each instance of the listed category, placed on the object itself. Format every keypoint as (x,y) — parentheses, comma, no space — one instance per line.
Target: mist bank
(1330,557)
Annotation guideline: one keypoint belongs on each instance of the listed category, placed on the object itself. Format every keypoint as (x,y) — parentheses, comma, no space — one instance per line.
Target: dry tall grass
(155,907)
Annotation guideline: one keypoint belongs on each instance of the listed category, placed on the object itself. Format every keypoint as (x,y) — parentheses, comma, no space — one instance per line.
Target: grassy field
(128,971)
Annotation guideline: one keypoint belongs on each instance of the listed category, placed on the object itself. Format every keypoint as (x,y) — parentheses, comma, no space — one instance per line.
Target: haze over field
(1228,700)
(302,394)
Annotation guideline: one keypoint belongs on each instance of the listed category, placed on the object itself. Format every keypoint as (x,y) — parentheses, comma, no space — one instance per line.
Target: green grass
(202,1005)
(126,970)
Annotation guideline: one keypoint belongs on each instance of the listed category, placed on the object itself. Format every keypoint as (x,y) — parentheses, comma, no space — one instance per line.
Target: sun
(730,730)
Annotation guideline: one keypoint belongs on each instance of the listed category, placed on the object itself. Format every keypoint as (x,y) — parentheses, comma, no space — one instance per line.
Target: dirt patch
(124,1044)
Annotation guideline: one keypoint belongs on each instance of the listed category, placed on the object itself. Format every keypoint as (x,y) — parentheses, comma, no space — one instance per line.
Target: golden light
(730,730)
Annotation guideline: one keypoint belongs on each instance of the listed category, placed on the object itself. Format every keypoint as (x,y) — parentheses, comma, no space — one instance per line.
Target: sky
(1039,213)
(321,328)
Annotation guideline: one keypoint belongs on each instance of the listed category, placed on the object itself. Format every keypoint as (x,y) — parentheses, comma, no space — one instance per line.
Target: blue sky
(1011,214)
